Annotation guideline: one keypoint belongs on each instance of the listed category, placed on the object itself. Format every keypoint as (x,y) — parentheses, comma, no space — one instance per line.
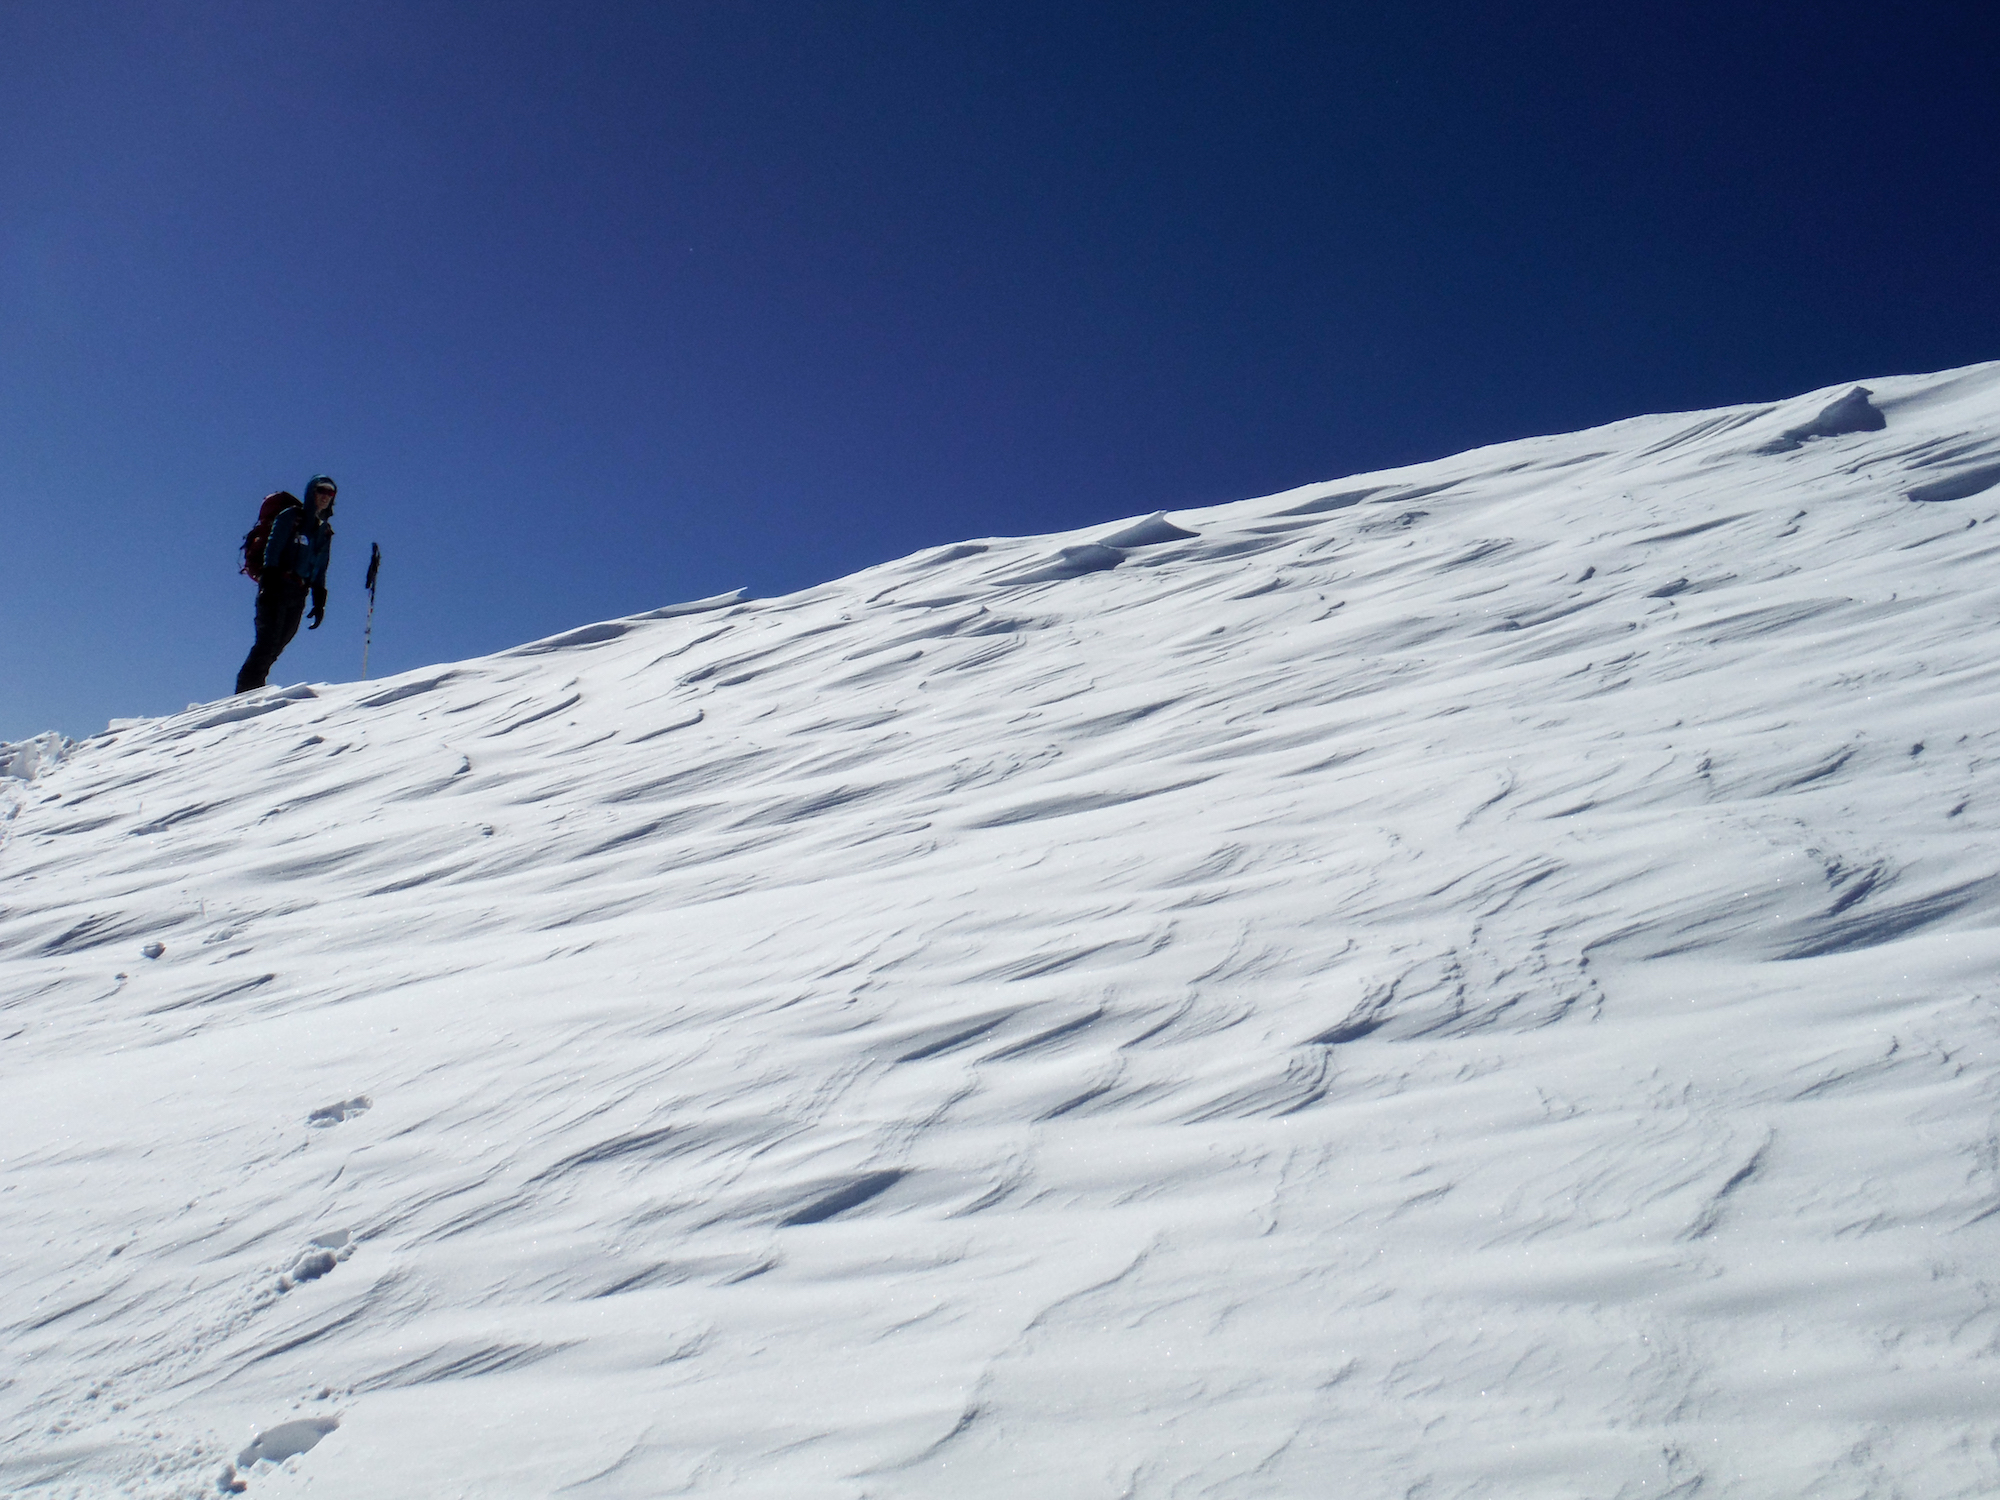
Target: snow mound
(1847,414)
(1470,980)
(287,1440)
(1974,479)
(1071,562)
(611,630)
(1150,532)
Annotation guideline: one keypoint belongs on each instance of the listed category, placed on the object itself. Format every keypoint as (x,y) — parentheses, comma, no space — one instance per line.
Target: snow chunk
(312,1265)
(333,1114)
(24,760)
(318,1259)
(1150,532)
(20,763)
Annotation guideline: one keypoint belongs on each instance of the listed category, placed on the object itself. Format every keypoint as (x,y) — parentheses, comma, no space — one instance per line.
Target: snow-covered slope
(1470,981)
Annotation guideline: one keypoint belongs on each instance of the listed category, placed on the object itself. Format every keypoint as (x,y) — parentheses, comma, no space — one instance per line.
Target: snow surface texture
(1477,980)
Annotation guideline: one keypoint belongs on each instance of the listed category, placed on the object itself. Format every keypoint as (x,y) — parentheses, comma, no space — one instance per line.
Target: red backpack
(255,538)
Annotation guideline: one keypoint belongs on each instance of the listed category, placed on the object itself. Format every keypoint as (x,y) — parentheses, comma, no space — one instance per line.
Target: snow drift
(1475,980)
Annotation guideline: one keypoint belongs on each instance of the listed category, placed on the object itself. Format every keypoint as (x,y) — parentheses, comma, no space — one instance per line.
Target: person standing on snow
(295,558)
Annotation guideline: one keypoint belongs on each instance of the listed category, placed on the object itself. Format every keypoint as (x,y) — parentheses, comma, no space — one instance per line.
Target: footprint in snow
(326,1251)
(333,1114)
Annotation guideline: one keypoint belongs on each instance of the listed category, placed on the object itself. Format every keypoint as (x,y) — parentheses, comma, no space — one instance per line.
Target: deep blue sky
(595,307)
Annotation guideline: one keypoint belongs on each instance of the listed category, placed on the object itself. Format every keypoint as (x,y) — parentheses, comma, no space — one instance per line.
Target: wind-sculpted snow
(21,764)
(1468,981)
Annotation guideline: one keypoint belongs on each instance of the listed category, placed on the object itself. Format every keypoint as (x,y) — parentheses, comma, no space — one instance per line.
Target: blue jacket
(299,548)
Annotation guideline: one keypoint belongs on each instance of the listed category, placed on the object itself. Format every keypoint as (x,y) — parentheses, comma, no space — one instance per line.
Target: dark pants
(279,608)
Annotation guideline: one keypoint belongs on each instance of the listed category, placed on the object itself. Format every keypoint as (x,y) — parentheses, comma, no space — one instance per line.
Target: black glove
(318,610)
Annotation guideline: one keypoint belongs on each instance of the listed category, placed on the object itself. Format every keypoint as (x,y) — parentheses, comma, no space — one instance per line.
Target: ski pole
(368,635)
